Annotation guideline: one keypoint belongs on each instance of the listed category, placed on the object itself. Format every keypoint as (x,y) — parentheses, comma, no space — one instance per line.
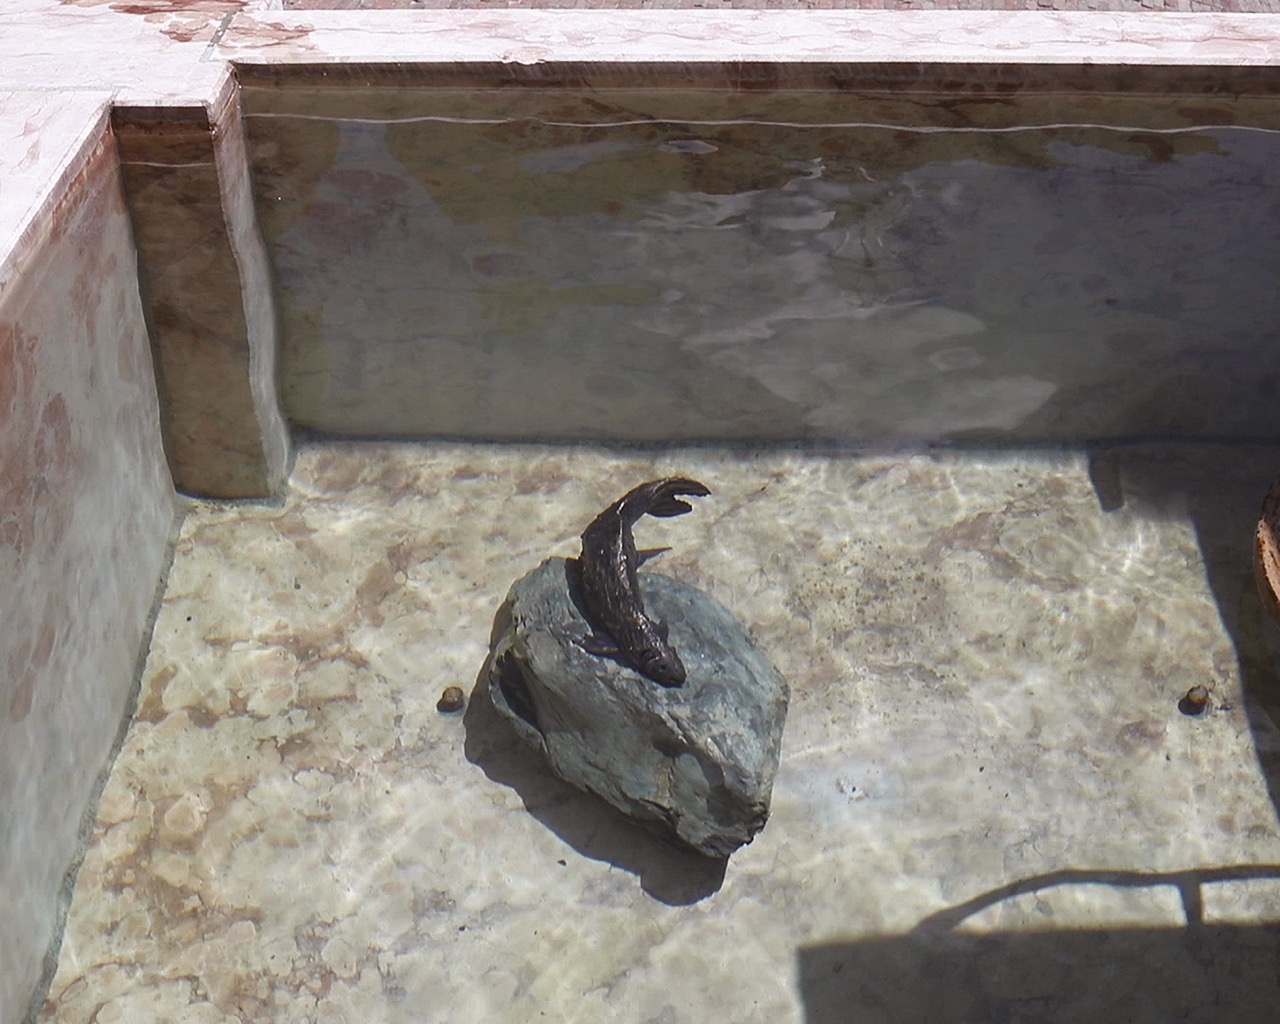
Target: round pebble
(1194,701)
(453,699)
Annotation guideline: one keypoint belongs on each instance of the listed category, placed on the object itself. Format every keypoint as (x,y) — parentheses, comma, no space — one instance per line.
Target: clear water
(989,806)
(666,267)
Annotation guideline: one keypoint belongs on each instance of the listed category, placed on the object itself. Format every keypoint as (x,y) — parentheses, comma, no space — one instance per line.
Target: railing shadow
(1201,972)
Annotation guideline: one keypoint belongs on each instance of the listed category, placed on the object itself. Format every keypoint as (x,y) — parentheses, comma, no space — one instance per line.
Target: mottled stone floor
(989,806)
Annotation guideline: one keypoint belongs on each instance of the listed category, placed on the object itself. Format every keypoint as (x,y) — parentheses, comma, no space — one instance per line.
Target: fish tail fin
(664,500)
(668,507)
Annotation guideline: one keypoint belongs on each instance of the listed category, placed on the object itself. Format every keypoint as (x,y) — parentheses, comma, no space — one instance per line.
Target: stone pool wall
(86,509)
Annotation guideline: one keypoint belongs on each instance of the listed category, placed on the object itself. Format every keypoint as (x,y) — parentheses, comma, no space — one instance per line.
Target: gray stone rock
(698,759)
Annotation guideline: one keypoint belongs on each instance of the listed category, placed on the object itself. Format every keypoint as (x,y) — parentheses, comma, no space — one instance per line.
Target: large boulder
(698,759)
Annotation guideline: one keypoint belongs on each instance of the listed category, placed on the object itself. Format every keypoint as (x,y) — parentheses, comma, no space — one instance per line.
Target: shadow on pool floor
(1219,490)
(1200,972)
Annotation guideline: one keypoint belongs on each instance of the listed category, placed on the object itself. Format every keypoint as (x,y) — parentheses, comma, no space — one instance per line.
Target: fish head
(662,666)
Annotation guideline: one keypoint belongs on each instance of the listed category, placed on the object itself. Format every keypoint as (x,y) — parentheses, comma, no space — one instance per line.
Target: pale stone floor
(989,806)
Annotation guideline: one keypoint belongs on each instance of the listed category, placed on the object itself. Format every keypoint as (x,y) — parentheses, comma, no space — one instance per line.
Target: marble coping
(63,62)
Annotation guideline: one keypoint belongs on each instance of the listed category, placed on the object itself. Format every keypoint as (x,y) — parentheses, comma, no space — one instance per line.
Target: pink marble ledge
(533,36)
(45,138)
(142,51)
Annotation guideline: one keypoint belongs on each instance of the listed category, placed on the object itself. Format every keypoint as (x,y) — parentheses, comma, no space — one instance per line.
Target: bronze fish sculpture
(611,589)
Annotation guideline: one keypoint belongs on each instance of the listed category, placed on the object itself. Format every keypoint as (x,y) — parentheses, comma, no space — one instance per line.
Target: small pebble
(453,699)
(1194,701)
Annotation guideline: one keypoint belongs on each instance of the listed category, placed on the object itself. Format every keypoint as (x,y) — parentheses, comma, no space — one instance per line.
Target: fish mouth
(664,667)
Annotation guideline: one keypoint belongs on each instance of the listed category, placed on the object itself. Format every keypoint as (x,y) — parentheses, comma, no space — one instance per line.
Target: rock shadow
(668,872)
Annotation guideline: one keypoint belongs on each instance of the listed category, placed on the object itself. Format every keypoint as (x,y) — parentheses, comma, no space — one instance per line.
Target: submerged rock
(699,759)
